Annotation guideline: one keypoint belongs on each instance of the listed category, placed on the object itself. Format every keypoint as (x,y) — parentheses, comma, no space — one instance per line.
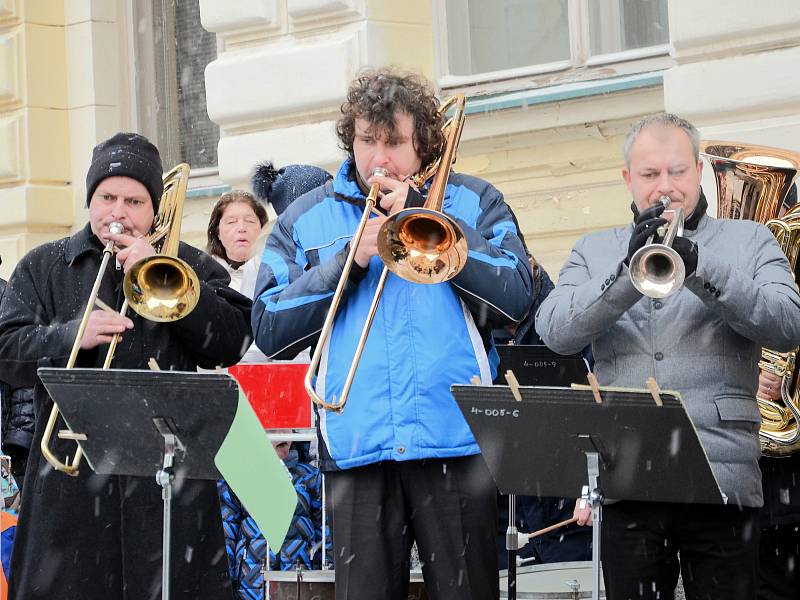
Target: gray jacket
(704,341)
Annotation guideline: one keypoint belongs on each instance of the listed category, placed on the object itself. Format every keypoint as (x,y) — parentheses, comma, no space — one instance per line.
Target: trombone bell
(422,245)
(162,288)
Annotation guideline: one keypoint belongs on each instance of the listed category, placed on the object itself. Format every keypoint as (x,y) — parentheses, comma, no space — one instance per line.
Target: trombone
(656,269)
(159,288)
(421,245)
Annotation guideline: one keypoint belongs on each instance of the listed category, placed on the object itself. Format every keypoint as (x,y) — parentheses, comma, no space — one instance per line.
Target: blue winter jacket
(424,337)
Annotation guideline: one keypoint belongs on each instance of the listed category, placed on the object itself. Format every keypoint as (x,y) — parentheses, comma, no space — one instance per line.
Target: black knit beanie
(126,155)
(284,186)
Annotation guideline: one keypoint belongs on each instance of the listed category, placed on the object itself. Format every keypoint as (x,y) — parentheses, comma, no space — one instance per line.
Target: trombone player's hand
(393,197)
(101,328)
(134,248)
(368,245)
(393,194)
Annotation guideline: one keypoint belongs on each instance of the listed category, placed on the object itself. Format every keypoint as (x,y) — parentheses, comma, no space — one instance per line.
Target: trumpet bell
(422,245)
(162,288)
(657,271)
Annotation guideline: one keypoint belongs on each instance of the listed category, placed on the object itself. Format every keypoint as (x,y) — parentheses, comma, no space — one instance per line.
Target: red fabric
(277,393)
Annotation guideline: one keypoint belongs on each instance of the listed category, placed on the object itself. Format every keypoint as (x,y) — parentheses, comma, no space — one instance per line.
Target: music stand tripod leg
(512,545)
(164,478)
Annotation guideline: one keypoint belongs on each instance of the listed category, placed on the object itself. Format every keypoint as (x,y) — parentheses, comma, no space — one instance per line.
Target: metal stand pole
(512,545)
(595,499)
(324,525)
(164,478)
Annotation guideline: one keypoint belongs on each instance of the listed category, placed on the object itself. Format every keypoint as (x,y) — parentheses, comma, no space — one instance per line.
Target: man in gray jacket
(704,341)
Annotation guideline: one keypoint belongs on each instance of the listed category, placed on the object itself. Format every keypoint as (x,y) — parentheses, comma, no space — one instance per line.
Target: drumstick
(539,532)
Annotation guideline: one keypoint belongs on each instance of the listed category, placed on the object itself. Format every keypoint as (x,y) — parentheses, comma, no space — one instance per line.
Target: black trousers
(779,563)
(447,505)
(645,545)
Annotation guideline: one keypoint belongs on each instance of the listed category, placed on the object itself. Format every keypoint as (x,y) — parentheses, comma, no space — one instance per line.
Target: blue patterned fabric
(246,546)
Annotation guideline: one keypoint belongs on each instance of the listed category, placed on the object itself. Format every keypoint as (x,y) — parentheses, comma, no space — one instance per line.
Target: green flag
(251,467)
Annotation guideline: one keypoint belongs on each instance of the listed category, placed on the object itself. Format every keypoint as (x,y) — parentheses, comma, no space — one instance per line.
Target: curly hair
(375,95)
(214,246)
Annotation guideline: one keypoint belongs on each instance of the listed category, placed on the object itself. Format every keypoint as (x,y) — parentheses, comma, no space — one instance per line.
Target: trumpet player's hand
(644,226)
(687,250)
(102,326)
(368,246)
(134,248)
(769,386)
(583,512)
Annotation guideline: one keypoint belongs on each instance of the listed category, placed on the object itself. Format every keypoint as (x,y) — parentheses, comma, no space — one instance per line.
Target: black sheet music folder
(538,365)
(116,408)
(537,446)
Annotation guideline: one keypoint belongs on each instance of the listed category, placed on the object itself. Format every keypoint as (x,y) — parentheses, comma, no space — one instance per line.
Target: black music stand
(535,364)
(554,441)
(166,424)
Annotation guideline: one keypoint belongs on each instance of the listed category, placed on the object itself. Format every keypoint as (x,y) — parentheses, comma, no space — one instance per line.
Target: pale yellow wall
(558,191)
(34,128)
(63,88)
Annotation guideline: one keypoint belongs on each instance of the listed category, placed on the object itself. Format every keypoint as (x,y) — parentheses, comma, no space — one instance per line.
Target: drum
(568,580)
(319,585)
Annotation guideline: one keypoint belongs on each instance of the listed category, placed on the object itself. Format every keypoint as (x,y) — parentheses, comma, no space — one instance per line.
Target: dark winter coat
(17,420)
(96,537)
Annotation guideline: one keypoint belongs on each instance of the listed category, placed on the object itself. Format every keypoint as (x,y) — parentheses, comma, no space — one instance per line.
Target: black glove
(687,250)
(644,226)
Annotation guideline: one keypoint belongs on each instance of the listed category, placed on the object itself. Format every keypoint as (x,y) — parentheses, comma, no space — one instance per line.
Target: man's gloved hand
(687,250)
(644,226)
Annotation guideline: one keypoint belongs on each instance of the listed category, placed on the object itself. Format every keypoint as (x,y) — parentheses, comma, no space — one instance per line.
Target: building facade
(553,85)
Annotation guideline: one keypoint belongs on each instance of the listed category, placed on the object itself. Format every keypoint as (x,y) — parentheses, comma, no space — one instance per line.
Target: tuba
(421,245)
(753,183)
(159,288)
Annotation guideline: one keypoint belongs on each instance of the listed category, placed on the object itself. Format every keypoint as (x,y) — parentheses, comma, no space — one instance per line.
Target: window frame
(580,67)
(200,178)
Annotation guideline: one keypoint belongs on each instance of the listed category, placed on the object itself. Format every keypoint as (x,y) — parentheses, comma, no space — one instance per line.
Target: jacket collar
(697,221)
(345,185)
(82,242)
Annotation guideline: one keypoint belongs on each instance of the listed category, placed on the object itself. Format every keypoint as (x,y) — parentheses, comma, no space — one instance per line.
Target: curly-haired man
(401,462)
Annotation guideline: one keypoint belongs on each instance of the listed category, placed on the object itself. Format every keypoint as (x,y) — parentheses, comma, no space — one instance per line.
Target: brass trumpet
(656,269)
(159,288)
(421,245)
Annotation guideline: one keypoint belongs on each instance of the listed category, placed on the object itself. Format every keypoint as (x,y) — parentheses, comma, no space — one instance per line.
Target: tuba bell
(753,183)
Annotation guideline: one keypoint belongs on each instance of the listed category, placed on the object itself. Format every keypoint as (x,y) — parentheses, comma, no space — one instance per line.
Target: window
(171,53)
(550,41)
